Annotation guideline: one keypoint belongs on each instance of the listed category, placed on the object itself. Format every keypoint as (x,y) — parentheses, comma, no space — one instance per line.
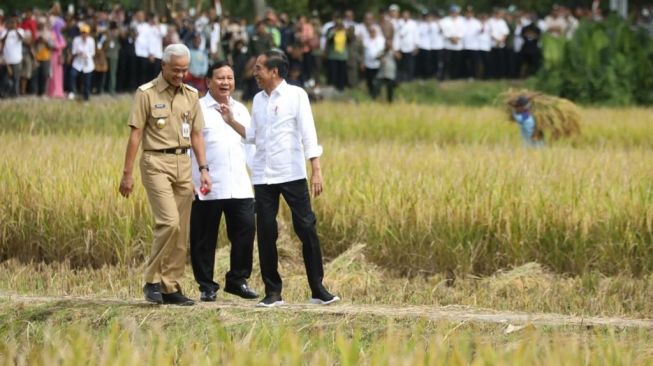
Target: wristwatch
(202,167)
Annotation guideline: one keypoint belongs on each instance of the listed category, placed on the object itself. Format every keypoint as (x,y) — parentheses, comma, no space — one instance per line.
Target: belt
(176,151)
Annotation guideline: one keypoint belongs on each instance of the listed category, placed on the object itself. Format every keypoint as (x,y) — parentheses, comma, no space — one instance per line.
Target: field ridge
(452,313)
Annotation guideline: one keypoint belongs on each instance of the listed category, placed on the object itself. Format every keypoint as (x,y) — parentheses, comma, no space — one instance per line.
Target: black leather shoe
(177,298)
(243,291)
(152,293)
(208,295)
(270,301)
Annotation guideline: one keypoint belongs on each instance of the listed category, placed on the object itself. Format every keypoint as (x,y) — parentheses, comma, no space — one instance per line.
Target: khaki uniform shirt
(160,109)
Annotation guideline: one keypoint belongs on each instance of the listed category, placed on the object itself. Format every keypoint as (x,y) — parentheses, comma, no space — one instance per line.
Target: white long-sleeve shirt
(437,38)
(406,36)
(141,43)
(453,27)
(226,153)
(498,31)
(155,40)
(373,49)
(284,133)
(424,35)
(473,30)
(484,39)
(83,52)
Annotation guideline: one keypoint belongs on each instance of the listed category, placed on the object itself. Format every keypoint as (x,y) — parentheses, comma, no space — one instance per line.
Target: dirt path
(449,313)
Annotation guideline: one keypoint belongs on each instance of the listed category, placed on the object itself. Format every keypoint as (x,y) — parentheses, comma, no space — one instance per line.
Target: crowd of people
(76,54)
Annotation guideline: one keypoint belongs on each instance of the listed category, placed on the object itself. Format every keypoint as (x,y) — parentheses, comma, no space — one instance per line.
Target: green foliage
(608,63)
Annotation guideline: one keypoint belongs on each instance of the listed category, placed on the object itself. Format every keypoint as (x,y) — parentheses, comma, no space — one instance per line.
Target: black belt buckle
(177,151)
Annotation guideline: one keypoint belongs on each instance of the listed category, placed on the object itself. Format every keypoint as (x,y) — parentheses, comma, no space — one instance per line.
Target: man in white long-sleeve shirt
(453,29)
(499,32)
(283,130)
(373,46)
(83,51)
(424,68)
(405,42)
(471,44)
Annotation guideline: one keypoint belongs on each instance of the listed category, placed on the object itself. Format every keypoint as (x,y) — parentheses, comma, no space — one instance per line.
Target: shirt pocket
(160,118)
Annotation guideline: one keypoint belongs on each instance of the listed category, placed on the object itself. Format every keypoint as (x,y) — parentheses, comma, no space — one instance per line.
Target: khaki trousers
(167,180)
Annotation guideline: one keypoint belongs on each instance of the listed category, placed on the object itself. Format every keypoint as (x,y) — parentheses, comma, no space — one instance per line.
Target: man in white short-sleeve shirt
(283,131)
(227,156)
(12,52)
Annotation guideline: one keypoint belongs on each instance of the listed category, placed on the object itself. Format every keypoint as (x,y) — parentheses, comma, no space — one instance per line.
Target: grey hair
(175,49)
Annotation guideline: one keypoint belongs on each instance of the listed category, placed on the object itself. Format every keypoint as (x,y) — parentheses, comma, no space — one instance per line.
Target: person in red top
(28,23)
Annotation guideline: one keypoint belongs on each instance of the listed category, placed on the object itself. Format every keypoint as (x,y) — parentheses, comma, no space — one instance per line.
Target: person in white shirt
(12,52)
(155,45)
(484,45)
(83,50)
(232,195)
(453,29)
(373,45)
(499,56)
(437,46)
(142,47)
(283,131)
(362,29)
(405,42)
(424,64)
(471,43)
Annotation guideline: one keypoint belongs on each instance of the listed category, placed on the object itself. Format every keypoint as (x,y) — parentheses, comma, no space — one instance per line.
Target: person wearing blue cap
(521,113)
(453,29)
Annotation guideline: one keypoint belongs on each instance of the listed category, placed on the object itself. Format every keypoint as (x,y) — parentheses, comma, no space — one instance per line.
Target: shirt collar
(209,101)
(162,84)
(283,85)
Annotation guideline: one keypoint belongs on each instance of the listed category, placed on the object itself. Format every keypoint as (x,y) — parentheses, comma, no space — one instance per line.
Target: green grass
(82,333)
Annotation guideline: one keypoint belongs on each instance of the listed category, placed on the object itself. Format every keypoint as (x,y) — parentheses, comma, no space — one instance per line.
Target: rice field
(425,188)
(424,205)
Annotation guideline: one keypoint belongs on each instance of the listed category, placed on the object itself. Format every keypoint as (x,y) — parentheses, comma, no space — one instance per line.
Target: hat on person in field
(393,7)
(84,28)
(521,101)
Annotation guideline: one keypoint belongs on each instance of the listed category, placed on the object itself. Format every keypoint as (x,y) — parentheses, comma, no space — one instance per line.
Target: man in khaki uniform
(167,118)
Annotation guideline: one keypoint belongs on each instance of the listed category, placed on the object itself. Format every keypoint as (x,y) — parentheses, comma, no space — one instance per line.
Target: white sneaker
(71,96)
(316,301)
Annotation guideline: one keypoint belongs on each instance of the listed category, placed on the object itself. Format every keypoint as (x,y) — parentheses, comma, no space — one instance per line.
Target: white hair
(175,49)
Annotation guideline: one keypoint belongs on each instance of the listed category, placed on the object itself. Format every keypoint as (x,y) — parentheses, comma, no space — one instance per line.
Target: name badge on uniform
(185,127)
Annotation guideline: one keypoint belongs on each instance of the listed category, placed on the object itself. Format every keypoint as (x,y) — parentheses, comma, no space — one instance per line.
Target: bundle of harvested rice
(554,117)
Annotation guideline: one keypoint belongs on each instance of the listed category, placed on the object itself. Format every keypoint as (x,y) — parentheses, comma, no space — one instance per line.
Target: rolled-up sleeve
(306,126)
(250,133)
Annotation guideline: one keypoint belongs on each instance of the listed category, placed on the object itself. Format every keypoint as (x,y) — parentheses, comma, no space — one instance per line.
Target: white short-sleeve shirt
(226,153)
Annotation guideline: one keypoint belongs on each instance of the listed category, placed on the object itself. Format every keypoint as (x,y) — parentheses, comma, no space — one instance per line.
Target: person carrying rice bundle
(541,117)
(521,113)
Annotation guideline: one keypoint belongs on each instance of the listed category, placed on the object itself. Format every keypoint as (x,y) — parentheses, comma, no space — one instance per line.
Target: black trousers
(204,224)
(303,219)
(424,64)
(370,76)
(406,67)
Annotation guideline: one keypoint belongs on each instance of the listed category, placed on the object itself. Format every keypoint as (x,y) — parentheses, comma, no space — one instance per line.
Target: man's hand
(316,184)
(226,112)
(126,185)
(205,182)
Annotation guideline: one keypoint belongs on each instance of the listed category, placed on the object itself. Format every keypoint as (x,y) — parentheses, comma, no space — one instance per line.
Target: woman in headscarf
(55,86)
